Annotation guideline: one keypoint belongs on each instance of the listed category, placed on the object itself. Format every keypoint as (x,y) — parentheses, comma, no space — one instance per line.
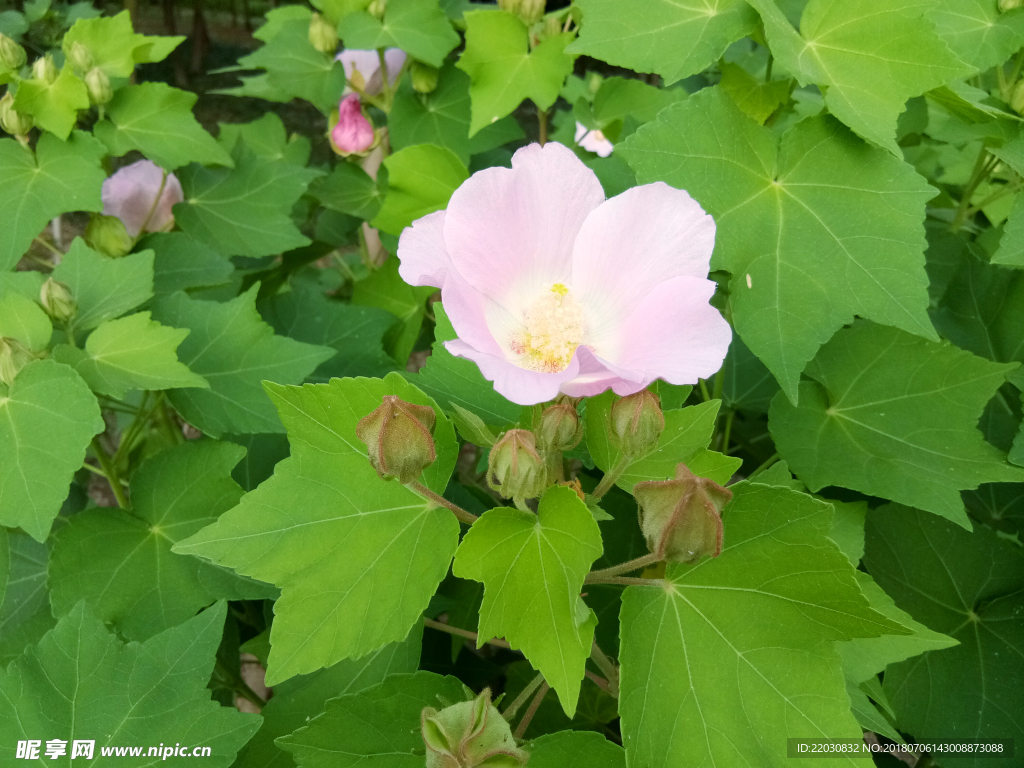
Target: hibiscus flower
(130,195)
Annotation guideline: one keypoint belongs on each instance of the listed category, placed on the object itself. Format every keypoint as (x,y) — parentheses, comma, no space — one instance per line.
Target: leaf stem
(724,447)
(461,514)
(611,477)
(704,391)
(110,472)
(542,119)
(534,705)
(607,666)
(527,692)
(629,566)
(462,632)
(599,681)
(628,581)
(51,248)
(982,168)
(764,465)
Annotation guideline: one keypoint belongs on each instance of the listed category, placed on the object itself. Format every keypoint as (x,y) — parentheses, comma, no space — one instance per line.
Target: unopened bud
(551,27)
(398,438)
(97,84)
(560,427)
(12,55)
(11,121)
(352,133)
(529,11)
(43,69)
(469,734)
(57,300)
(514,468)
(1009,5)
(1017,98)
(377,8)
(637,422)
(13,357)
(107,235)
(322,35)
(80,56)
(681,518)
(424,77)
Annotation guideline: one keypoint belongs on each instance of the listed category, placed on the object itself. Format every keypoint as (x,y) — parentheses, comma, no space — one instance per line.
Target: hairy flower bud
(43,69)
(57,300)
(681,518)
(11,121)
(80,56)
(97,84)
(12,55)
(424,77)
(637,422)
(469,734)
(107,235)
(352,133)
(514,468)
(560,427)
(398,438)
(13,357)
(322,35)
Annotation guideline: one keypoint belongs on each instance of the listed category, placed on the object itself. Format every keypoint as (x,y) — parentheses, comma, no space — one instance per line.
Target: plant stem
(599,681)
(981,170)
(617,570)
(607,666)
(462,632)
(610,477)
(129,435)
(51,248)
(704,391)
(110,472)
(627,581)
(767,463)
(768,68)
(727,433)
(511,709)
(537,699)
(461,514)
(542,119)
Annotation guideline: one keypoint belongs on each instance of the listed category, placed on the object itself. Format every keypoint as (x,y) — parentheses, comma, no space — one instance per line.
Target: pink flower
(367,63)
(551,288)
(593,140)
(353,132)
(129,194)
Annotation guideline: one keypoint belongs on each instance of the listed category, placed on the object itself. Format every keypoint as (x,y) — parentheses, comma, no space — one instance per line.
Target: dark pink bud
(353,132)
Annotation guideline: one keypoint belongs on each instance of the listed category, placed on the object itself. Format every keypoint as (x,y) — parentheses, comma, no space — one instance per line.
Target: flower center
(554,328)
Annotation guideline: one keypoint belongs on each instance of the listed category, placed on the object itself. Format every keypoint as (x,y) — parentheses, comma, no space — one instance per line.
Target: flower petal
(673,334)
(421,251)
(595,377)
(130,193)
(510,232)
(633,242)
(512,382)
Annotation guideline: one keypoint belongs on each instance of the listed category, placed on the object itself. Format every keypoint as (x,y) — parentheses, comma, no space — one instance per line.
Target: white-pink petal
(421,252)
(367,63)
(593,141)
(512,382)
(130,195)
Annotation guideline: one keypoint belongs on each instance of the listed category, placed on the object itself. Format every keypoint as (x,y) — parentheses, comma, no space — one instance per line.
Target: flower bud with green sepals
(13,357)
(44,69)
(681,518)
(12,55)
(1009,5)
(470,734)
(529,11)
(514,467)
(57,301)
(424,77)
(560,427)
(97,84)
(398,438)
(1017,98)
(376,8)
(322,35)
(107,235)
(637,422)
(80,56)
(11,121)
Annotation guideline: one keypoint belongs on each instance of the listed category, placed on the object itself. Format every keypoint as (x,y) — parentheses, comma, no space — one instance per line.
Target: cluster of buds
(57,301)
(681,518)
(97,83)
(637,423)
(470,734)
(398,438)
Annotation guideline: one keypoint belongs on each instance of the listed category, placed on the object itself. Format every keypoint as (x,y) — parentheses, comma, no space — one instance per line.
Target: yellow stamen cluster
(554,329)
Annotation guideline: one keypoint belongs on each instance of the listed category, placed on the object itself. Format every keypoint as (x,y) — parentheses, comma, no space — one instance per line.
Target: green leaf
(25,613)
(442,117)
(575,749)
(48,417)
(998,505)
(339,541)
(757,100)
(684,440)
(675,38)
(740,647)
(104,288)
(131,353)
(969,586)
(532,567)
(120,561)
(349,189)
(978,32)
(244,211)
(893,415)
(1011,244)
(299,700)
(421,180)
(115,47)
(54,106)
(27,284)
(454,381)
(179,262)
(379,726)
(872,55)
(81,682)
(504,70)
(418,27)
(386,290)
(748,385)
(157,120)
(61,176)
(22,319)
(235,351)
(267,138)
(791,219)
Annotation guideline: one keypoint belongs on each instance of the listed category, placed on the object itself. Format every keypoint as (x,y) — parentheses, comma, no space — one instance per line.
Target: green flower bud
(322,35)
(97,84)
(12,55)
(57,300)
(637,422)
(107,235)
(560,427)
(80,56)
(1009,5)
(398,438)
(13,357)
(424,77)
(514,468)
(377,8)
(1017,98)
(470,734)
(681,518)
(11,121)
(44,69)
(529,11)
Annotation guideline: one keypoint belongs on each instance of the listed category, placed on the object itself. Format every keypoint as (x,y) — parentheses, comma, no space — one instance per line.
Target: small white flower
(593,140)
